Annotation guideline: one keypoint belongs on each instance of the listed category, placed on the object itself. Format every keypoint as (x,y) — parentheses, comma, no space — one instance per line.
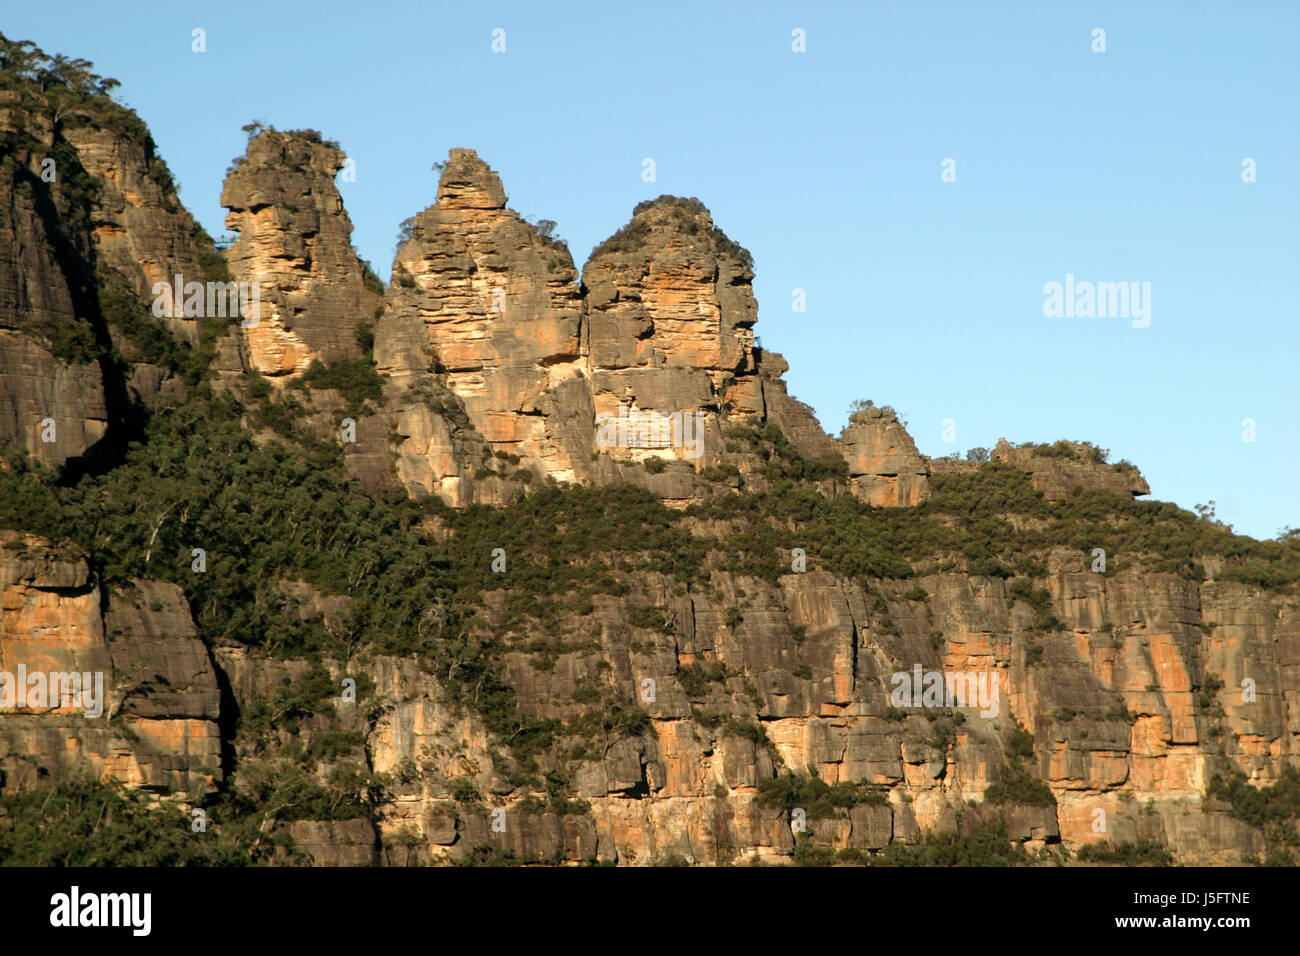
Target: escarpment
(516,562)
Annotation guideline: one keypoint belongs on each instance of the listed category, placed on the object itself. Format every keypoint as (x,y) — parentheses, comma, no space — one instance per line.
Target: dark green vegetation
(76,823)
(815,797)
(1139,853)
(988,844)
(1274,810)
(846,536)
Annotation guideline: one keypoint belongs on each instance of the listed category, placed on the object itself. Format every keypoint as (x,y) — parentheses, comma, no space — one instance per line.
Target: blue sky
(926,295)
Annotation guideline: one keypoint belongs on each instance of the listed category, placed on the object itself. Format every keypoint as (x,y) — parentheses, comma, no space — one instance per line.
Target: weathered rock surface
(140,230)
(46,294)
(492,345)
(157,721)
(1112,705)
(1056,470)
(295,242)
(885,468)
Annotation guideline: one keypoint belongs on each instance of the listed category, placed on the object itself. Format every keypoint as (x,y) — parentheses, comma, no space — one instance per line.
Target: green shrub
(1020,788)
(1140,853)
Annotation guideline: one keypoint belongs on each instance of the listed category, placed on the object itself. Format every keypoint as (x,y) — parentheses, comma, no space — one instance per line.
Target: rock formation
(630,701)
(157,722)
(295,242)
(884,466)
(485,313)
(1058,469)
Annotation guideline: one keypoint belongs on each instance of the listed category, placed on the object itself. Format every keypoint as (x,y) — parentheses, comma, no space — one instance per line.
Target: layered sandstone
(1057,470)
(295,242)
(157,721)
(885,468)
(492,346)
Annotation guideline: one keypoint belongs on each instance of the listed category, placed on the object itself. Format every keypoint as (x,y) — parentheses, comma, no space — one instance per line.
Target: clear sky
(1115,166)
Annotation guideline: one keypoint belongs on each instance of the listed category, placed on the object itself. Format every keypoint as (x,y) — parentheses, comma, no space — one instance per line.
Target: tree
(978,455)
(405,231)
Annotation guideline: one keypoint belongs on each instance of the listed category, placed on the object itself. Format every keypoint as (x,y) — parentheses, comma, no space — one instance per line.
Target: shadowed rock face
(46,295)
(86,209)
(295,242)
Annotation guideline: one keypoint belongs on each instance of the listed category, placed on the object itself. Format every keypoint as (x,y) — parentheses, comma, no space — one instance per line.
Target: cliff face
(52,407)
(154,726)
(633,699)
(1110,701)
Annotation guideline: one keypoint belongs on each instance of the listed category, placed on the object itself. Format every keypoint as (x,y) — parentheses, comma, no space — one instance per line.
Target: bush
(818,799)
(1141,853)
(1020,788)
(988,845)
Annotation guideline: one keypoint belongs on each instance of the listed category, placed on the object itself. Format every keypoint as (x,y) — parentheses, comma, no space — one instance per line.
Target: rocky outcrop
(295,242)
(495,351)
(885,468)
(155,724)
(483,315)
(1058,469)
